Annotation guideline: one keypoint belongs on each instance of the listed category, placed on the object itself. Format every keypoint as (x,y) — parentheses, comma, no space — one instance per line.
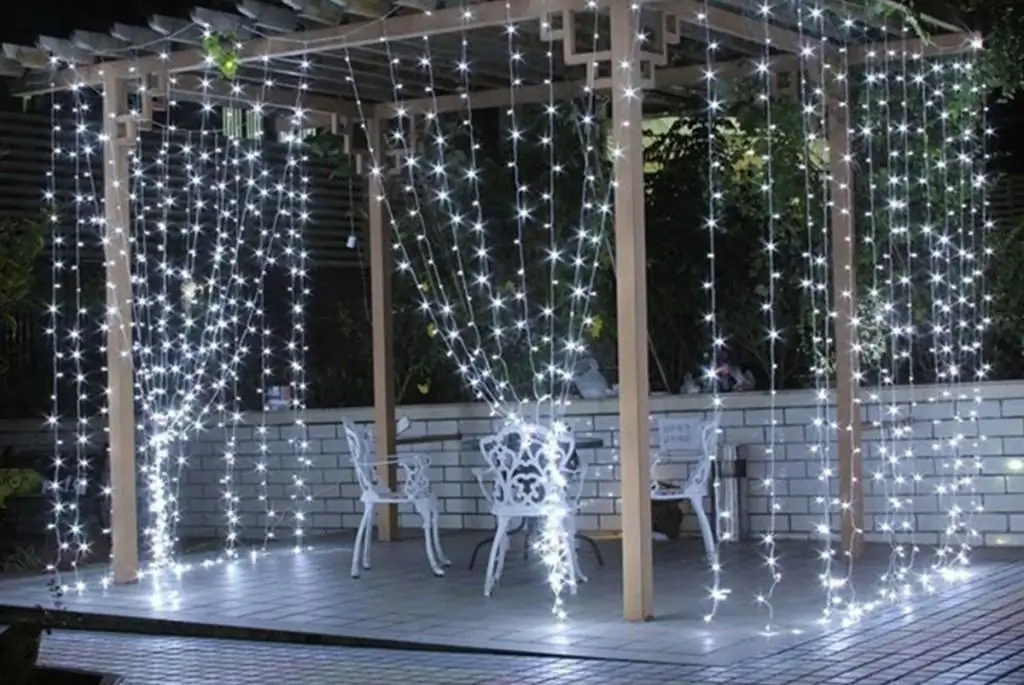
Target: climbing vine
(222,50)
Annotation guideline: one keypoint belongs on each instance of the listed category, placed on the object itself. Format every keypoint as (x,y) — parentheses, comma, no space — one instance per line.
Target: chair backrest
(360,450)
(691,436)
(520,458)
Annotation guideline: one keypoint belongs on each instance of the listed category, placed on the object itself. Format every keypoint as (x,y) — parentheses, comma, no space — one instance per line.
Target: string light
(197,276)
(297,213)
(448,239)
(772,334)
(815,284)
(714,105)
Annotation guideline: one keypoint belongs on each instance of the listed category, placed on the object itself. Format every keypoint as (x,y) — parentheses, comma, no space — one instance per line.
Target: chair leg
(358,549)
(368,536)
(697,504)
(435,529)
(426,511)
(594,546)
(574,559)
(527,537)
(497,546)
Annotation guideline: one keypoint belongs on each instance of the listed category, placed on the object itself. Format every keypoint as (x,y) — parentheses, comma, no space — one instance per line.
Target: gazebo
(165,56)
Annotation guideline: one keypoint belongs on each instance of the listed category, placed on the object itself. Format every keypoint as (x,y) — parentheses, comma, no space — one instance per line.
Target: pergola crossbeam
(11,68)
(197,88)
(28,57)
(140,37)
(733,24)
(235,25)
(176,30)
(368,9)
(269,16)
(667,78)
(99,44)
(320,11)
(365,33)
(64,50)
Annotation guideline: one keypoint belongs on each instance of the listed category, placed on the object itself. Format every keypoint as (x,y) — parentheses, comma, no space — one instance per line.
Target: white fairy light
(486,325)
(815,284)
(713,106)
(195,299)
(893,308)
(958,336)
(296,208)
(772,334)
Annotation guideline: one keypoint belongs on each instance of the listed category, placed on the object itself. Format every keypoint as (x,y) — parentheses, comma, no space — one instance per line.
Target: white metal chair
(414,488)
(695,488)
(517,482)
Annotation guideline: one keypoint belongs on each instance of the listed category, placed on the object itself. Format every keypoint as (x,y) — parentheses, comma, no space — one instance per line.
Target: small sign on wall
(679,434)
(279,398)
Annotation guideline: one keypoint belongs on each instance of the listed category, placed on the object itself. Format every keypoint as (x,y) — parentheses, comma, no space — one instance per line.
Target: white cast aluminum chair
(414,488)
(515,484)
(695,489)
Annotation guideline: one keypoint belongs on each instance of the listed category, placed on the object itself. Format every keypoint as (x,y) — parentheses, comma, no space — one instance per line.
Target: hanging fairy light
(195,195)
(445,241)
(714,106)
(815,283)
(766,96)
(296,212)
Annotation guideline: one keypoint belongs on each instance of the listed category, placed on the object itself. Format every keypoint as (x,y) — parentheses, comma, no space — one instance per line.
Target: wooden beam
(844,302)
(198,88)
(667,77)
(631,299)
(334,38)
(120,376)
(722,20)
(383,341)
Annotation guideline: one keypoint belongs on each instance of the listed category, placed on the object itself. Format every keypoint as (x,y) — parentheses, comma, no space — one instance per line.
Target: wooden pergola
(168,54)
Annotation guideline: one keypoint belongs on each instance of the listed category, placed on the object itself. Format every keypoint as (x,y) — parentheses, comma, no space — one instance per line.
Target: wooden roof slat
(268,16)
(100,44)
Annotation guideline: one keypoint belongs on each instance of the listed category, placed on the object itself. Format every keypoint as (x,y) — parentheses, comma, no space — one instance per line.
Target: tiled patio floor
(399,600)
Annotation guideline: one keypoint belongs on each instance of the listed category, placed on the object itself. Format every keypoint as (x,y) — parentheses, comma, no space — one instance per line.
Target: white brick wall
(744,422)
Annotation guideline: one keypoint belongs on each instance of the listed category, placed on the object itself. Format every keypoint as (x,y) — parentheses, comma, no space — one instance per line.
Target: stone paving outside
(978,640)
(971,634)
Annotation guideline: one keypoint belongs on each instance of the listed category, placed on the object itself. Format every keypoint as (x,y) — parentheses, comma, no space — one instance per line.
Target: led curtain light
(960,322)
(74,150)
(714,125)
(766,77)
(501,245)
(209,218)
(815,283)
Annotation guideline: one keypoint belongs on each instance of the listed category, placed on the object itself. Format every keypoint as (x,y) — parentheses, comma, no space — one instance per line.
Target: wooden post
(383,341)
(631,295)
(844,275)
(120,383)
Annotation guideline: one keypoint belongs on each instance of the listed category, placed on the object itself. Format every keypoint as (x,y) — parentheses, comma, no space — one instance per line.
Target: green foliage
(518,271)
(223,52)
(1001,23)
(20,245)
(17,483)
(333,149)
(1006,285)
(678,158)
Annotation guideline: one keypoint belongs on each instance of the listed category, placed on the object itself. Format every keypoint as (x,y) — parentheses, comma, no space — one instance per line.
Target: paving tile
(971,635)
